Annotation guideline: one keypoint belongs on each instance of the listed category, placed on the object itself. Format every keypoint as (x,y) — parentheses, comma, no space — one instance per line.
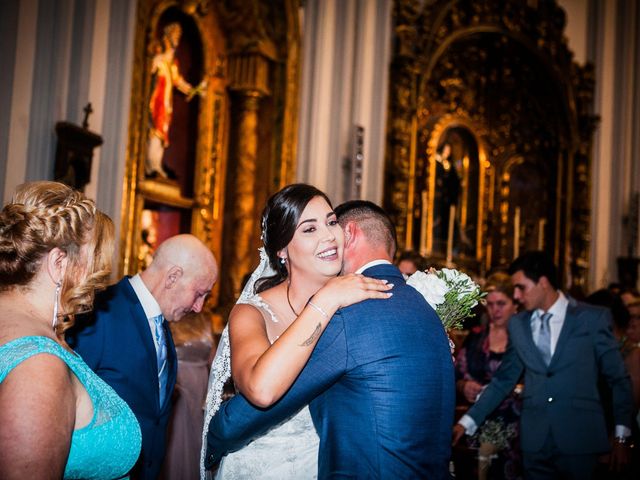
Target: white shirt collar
(149,304)
(373,263)
(558,310)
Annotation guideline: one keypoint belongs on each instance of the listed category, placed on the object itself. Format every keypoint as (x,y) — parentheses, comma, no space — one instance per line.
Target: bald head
(181,275)
(184,250)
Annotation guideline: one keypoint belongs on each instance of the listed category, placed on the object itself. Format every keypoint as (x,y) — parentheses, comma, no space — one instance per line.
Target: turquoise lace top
(108,447)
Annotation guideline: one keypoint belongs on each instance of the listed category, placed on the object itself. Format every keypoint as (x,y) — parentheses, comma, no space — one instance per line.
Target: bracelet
(322,312)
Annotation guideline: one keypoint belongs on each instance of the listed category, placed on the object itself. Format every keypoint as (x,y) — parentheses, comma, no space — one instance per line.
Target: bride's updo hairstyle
(279,221)
(43,216)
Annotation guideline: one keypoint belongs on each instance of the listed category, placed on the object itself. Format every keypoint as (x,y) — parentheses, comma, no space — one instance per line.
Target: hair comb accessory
(263,233)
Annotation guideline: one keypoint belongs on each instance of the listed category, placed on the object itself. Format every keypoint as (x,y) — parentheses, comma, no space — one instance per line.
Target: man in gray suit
(561,346)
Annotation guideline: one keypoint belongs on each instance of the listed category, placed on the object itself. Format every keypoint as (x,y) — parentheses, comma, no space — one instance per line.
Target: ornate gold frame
(251,54)
(207,204)
(425,32)
(442,125)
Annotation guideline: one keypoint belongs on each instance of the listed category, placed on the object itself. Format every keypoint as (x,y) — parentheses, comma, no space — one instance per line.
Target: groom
(380,381)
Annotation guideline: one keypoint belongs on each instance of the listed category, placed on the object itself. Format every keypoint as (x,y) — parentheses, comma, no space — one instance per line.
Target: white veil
(221,366)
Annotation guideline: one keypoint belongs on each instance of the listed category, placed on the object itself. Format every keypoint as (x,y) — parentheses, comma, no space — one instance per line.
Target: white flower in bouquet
(451,293)
(430,286)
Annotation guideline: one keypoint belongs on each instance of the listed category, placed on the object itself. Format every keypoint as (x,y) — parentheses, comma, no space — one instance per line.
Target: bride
(272,330)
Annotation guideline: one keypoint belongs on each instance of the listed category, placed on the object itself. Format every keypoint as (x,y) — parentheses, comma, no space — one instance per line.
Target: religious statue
(449,203)
(165,77)
(448,190)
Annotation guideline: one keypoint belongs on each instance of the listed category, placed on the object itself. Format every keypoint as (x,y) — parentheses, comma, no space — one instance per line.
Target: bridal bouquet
(451,293)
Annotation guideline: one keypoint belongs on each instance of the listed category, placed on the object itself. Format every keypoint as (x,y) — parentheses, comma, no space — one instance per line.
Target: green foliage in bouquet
(496,433)
(451,293)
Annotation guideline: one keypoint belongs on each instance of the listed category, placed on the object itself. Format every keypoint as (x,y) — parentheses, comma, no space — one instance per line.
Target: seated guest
(630,296)
(410,262)
(476,363)
(606,298)
(58,419)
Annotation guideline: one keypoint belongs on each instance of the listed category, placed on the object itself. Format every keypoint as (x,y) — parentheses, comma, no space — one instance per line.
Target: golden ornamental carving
(249,25)
(249,72)
(196,194)
(244,183)
(241,64)
(263,71)
(504,72)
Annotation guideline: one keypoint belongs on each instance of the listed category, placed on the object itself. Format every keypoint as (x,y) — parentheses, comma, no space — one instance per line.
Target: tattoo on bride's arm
(316,333)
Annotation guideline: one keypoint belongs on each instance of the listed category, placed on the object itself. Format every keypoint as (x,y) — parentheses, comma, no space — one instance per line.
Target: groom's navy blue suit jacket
(381,386)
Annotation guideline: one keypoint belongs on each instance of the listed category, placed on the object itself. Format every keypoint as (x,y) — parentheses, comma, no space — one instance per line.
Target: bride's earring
(283,260)
(56,299)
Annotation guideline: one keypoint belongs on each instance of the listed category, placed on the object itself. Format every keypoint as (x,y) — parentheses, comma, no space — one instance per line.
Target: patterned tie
(161,340)
(544,338)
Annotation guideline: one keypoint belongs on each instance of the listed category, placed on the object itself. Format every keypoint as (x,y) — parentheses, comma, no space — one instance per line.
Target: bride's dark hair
(279,221)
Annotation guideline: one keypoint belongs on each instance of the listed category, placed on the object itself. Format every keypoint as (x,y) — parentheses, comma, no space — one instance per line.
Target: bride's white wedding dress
(289,450)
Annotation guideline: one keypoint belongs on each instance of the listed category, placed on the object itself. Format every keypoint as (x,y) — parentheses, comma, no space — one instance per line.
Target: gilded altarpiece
(211,130)
(489,135)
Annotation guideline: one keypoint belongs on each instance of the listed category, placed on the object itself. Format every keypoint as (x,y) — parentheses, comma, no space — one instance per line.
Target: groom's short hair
(372,220)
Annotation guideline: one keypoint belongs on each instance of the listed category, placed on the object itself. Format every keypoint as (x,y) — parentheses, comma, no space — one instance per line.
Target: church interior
(485,128)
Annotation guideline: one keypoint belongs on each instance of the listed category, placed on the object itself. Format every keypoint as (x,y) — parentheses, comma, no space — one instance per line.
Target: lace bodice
(288,451)
(109,445)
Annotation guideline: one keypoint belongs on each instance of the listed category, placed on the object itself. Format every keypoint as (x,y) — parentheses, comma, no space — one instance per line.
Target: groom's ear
(349,233)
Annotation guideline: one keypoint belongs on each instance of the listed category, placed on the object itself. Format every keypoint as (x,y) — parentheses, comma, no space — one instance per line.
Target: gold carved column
(249,75)
(262,62)
(401,124)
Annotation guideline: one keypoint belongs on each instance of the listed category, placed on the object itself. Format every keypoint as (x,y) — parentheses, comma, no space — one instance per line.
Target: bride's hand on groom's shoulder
(346,290)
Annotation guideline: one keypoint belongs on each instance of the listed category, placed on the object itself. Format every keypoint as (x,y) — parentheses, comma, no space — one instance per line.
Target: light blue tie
(544,338)
(163,374)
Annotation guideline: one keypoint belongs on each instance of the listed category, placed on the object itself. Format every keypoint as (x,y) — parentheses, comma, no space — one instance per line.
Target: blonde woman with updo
(58,419)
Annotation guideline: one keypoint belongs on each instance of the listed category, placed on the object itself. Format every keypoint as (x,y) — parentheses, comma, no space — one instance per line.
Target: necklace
(289,301)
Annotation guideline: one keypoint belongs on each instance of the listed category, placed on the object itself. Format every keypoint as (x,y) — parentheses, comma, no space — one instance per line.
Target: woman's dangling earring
(56,299)
(283,261)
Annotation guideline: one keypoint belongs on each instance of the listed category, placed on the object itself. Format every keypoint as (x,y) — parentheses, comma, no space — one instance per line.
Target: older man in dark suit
(128,344)
(562,347)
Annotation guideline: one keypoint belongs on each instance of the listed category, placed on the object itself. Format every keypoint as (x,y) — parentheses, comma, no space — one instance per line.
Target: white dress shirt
(372,263)
(149,305)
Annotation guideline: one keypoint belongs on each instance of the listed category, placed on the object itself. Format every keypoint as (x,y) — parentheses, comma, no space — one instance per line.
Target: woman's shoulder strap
(263,307)
(17,351)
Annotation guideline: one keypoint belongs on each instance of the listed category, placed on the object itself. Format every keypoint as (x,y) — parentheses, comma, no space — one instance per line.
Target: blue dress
(108,447)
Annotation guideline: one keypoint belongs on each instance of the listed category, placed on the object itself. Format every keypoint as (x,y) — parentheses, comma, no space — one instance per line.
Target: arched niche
(449,191)
(505,71)
(230,144)
(177,44)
